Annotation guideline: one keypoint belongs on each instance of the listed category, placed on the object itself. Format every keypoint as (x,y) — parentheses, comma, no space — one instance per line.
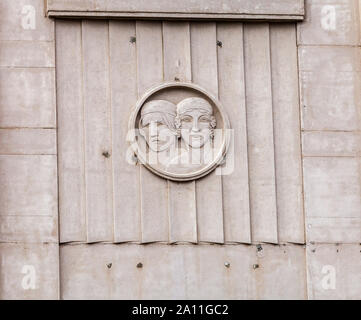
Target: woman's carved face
(195,128)
(196,121)
(156,133)
(157,124)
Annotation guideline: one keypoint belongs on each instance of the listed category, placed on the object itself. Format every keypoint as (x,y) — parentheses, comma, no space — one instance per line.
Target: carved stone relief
(179,131)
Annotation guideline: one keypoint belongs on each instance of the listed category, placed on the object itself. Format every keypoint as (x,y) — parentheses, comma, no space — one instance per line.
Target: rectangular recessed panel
(182,272)
(261,159)
(123,84)
(209,188)
(71,148)
(97,134)
(182,198)
(237,225)
(100,78)
(154,189)
(287,140)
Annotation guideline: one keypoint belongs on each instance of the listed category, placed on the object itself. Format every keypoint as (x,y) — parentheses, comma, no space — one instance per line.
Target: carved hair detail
(191,104)
(162,110)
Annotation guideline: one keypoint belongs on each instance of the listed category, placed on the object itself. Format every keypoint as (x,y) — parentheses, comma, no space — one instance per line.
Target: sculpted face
(157,124)
(196,121)
(179,132)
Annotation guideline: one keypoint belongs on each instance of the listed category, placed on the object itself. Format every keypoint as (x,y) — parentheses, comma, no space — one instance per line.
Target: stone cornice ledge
(264,10)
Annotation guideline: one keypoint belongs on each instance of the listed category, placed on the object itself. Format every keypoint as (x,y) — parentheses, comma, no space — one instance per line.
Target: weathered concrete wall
(33,265)
(99,80)
(329,66)
(28,162)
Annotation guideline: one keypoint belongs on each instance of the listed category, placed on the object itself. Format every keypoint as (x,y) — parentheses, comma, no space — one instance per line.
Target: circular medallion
(179,131)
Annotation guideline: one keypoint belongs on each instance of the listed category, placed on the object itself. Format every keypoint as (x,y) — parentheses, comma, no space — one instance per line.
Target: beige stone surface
(28,229)
(182,272)
(236,208)
(123,93)
(29,271)
(213,209)
(70,134)
(209,199)
(181,196)
(331,144)
(329,60)
(334,271)
(330,82)
(153,189)
(334,22)
(332,199)
(27,142)
(339,58)
(27,97)
(231,9)
(287,140)
(102,69)
(261,159)
(97,130)
(27,54)
(28,163)
(28,185)
(28,198)
(25,20)
(330,96)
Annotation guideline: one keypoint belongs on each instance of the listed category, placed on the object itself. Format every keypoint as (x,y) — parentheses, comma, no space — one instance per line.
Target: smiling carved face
(157,124)
(195,121)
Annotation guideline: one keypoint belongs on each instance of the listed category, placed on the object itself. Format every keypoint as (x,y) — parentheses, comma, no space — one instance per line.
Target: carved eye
(187,119)
(204,119)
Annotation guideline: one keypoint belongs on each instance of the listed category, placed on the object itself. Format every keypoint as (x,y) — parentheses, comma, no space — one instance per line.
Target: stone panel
(25,20)
(330,22)
(28,185)
(29,271)
(27,54)
(334,271)
(27,141)
(332,199)
(331,144)
(27,97)
(155,271)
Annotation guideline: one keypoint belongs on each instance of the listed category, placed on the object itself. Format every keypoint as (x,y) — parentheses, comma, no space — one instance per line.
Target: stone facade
(285,224)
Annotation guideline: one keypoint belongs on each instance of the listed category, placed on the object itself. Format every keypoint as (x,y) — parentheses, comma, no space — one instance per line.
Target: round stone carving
(179,131)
